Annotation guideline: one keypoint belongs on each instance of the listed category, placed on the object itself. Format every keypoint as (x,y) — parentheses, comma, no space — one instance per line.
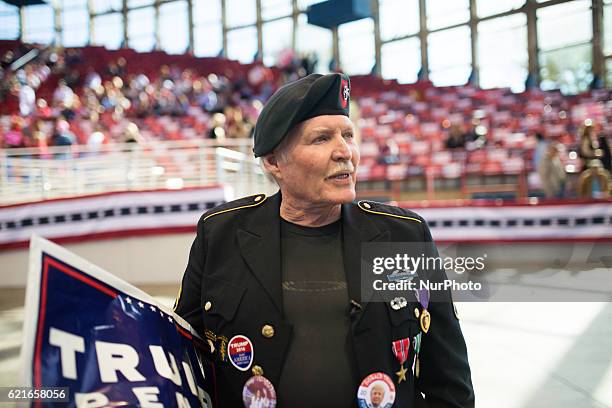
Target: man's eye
(348,135)
(321,138)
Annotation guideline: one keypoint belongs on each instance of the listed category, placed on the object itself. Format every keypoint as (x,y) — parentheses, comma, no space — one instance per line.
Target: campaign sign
(108,342)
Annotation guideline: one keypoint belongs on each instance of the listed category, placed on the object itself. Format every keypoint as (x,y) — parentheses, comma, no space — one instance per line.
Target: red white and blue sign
(108,342)
(240,352)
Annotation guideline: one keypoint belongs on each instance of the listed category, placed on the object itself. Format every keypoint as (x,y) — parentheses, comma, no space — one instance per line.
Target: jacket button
(257,370)
(267,331)
(207,306)
(416,312)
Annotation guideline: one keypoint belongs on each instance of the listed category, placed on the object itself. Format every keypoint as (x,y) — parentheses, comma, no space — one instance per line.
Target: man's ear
(270,162)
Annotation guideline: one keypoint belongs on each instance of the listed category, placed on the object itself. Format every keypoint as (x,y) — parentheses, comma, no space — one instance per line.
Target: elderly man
(273,283)
(377,396)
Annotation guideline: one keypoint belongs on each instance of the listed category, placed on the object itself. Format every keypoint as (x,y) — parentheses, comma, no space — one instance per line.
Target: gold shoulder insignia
(373,207)
(246,202)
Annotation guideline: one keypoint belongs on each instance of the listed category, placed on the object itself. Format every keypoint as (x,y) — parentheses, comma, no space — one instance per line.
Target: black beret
(314,95)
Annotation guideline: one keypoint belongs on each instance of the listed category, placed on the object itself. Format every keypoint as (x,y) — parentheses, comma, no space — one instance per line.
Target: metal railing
(33,174)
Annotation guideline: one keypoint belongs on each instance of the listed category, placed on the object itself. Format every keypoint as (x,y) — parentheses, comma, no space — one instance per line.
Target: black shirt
(317,369)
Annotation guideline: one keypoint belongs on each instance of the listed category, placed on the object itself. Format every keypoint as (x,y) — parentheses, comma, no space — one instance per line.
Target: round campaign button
(240,352)
(258,392)
(376,391)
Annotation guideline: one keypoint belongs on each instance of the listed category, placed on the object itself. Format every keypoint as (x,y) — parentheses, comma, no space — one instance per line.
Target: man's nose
(342,150)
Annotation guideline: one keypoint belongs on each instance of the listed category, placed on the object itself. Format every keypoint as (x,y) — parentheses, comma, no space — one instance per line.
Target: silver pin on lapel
(398,303)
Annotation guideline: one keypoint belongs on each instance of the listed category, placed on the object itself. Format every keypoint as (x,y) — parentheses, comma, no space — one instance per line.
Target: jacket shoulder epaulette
(373,207)
(240,203)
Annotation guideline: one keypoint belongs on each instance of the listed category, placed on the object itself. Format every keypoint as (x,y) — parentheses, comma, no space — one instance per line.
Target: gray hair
(282,154)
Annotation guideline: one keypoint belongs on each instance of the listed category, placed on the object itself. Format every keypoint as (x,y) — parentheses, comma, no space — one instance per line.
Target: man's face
(377,394)
(319,161)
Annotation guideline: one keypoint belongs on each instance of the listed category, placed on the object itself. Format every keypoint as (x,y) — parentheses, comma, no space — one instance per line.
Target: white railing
(32,175)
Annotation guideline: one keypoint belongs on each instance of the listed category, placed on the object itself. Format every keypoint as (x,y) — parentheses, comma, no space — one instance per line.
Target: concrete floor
(535,355)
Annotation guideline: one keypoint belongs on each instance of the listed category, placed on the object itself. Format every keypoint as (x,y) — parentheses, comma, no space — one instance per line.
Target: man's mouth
(340,175)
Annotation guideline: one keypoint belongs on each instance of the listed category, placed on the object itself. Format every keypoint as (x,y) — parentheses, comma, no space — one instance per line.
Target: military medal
(240,351)
(258,392)
(222,347)
(376,390)
(401,350)
(416,343)
(422,296)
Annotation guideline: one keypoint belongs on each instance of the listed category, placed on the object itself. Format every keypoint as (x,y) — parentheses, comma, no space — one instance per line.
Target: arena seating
(415,119)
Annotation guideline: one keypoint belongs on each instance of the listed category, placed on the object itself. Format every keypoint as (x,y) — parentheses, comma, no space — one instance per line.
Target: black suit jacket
(232,285)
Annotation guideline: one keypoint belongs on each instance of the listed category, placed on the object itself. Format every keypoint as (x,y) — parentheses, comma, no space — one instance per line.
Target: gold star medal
(401,374)
(401,350)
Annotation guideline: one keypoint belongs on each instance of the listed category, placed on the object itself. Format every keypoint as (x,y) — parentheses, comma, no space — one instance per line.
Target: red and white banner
(135,213)
(469,221)
(107,215)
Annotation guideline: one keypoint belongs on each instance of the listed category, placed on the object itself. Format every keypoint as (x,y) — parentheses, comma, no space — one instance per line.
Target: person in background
(27,99)
(540,150)
(62,135)
(456,138)
(594,182)
(14,137)
(131,134)
(63,95)
(552,174)
(42,109)
(604,146)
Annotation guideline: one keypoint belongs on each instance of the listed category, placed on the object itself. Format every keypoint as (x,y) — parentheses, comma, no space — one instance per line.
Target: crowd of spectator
(89,105)
(65,98)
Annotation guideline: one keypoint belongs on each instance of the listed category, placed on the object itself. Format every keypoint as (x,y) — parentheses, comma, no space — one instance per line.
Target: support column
(259,26)
(124,14)
(191,45)
(423,37)
(91,23)
(377,40)
(57,23)
(22,24)
(599,68)
(224,27)
(336,46)
(475,75)
(156,25)
(533,79)
(295,14)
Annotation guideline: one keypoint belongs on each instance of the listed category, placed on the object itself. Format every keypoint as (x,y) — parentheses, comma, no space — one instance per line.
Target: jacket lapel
(259,243)
(357,228)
